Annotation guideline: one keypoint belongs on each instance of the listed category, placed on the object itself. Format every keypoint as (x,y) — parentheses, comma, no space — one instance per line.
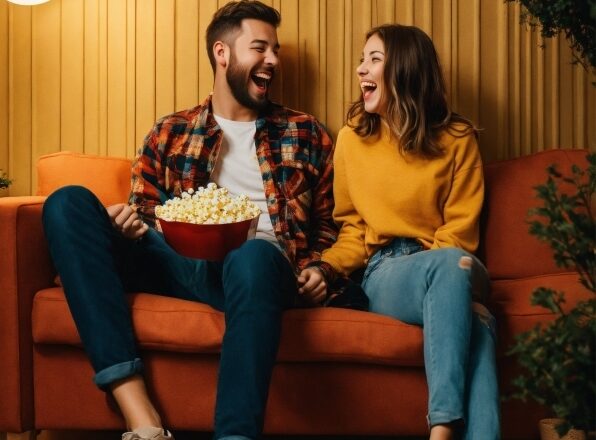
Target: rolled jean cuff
(116,372)
(442,418)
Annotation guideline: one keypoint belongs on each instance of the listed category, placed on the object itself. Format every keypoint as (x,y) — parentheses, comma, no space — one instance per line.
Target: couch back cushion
(507,248)
(107,177)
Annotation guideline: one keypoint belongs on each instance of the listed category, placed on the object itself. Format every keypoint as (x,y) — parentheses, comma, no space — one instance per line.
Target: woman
(408,191)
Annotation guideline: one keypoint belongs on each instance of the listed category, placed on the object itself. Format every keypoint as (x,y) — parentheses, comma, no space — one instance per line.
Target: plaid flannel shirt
(295,157)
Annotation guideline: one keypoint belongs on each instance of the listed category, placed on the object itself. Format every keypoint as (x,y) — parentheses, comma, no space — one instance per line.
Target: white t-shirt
(237,169)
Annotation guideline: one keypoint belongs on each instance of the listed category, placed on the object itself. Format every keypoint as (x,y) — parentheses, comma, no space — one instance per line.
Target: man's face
(252,64)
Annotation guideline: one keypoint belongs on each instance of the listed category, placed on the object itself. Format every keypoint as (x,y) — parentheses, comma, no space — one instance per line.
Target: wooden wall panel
(91,84)
(72,76)
(190,44)
(116,78)
(20,161)
(46,123)
(3,91)
(93,75)
(165,56)
(145,71)
(103,27)
(131,72)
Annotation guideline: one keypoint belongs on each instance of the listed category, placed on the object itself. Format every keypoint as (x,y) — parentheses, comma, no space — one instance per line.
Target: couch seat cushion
(318,334)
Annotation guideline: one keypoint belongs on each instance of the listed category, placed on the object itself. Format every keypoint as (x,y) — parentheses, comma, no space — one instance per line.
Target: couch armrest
(25,268)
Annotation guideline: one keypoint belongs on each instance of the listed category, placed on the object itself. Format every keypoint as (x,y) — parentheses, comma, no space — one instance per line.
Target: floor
(115,435)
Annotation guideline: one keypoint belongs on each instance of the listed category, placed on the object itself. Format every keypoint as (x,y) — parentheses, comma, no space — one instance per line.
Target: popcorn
(210,205)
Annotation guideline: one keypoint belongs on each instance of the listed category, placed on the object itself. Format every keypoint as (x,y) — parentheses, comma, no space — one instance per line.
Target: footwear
(148,433)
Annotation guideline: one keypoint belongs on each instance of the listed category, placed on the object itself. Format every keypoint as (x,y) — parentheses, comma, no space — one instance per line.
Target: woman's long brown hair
(417,111)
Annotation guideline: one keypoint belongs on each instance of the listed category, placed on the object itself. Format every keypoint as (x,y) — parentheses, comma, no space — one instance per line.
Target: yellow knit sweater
(381,194)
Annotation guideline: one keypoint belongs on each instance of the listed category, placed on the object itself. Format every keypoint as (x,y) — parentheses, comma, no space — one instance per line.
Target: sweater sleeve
(461,210)
(348,253)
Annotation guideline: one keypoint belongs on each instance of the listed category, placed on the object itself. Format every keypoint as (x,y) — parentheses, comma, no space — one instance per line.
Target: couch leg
(29,435)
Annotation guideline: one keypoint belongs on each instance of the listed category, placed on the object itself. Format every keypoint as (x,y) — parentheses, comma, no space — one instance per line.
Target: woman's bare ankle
(132,398)
(442,432)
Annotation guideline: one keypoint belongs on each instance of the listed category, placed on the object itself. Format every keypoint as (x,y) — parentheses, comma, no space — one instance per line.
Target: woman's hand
(127,221)
(312,285)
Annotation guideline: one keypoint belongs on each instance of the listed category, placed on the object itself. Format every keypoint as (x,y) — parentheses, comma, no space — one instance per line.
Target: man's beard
(238,78)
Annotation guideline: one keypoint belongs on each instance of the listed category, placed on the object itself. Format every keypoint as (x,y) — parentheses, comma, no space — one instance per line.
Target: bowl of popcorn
(208,222)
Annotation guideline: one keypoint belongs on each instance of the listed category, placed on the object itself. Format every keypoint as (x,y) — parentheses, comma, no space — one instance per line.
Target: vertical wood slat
(566,96)
(591,112)
(514,110)
(19,100)
(145,72)
(93,75)
(538,95)
(551,102)
(383,11)
(441,28)
(308,38)
(526,90)
(188,51)
(579,108)
(336,65)
(468,59)
(72,76)
(131,96)
(404,12)
(322,81)
(103,76)
(423,16)
(347,52)
(116,110)
(487,120)
(46,60)
(502,85)
(165,57)
(361,23)
(287,80)
(4,108)
(453,87)
(206,10)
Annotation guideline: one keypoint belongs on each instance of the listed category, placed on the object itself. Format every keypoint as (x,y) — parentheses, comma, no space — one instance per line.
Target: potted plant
(4,180)
(558,359)
(576,19)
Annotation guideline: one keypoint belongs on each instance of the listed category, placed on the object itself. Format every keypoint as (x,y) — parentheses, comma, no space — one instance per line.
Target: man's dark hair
(228,19)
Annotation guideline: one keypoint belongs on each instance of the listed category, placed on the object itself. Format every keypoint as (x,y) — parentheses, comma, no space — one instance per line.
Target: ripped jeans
(442,291)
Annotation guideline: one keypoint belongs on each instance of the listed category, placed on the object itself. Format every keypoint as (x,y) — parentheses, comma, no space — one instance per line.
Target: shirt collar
(273,114)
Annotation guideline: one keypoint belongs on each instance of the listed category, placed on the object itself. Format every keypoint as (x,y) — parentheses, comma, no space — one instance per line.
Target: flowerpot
(548,431)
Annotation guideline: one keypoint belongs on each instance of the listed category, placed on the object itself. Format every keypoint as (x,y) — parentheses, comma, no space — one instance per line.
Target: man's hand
(127,221)
(312,285)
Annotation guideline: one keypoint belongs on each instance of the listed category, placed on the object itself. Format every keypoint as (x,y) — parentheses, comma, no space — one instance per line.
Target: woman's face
(370,75)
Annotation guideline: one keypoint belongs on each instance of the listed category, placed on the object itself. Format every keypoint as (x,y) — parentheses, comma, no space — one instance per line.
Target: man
(240,140)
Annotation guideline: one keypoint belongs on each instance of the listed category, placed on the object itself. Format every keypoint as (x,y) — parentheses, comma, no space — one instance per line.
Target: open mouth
(368,87)
(262,80)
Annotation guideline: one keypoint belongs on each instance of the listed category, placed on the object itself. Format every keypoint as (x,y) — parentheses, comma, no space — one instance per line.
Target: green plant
(576,19)
(558,359)
(4,180)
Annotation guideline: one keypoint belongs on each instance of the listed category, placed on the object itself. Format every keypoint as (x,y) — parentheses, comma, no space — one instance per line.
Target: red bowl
(207,242)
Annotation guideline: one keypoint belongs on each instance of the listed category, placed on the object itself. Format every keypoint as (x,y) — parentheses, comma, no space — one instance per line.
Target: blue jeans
(438,290)
(97,265)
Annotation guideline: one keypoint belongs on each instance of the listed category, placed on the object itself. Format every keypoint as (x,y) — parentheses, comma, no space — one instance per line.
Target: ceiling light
(28,2)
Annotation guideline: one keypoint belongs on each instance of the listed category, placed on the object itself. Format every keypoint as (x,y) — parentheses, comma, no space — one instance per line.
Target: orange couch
(339,371)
